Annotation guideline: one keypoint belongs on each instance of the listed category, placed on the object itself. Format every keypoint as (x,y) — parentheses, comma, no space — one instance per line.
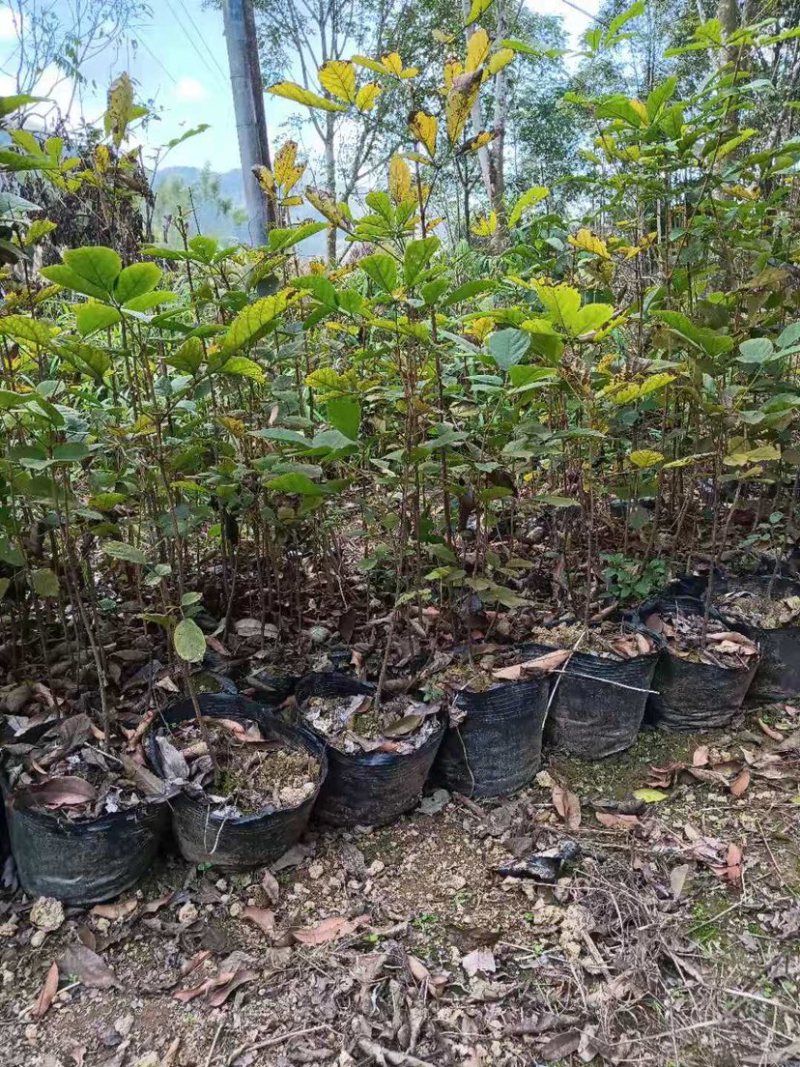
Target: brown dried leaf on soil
(479,960)
(618,822)
(677,879)
(740,783)
(263,918)
(550,661)
(89,968)
(568,806)
(54,793)
(120,910)
(331,929)
(561,1046)
(732,871)
(770,731)
(269,883)
(48,991)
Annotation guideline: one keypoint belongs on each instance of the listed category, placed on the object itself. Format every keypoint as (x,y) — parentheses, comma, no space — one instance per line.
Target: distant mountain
(211,192)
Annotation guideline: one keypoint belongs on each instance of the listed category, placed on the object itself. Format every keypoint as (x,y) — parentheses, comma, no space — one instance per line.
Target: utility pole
(248,104)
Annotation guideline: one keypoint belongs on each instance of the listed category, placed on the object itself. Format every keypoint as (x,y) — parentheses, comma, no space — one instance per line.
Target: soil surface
(692,637)
(243,774)
(769,613)
(356,724)
(671,940)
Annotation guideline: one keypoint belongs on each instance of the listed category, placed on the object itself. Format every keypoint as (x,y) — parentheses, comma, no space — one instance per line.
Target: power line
(200,38)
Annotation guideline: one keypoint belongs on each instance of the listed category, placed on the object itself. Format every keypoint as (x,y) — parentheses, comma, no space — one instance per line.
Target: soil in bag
(84,823)
(599,693)
(767,609)
(247,780)
(705,669)
(379,757)
(493,744)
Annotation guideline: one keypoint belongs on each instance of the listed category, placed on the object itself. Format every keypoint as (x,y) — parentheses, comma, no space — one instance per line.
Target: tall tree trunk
(330,180)
(498,147)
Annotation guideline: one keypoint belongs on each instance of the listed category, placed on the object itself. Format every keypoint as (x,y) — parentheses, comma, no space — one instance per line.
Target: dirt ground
(673,940)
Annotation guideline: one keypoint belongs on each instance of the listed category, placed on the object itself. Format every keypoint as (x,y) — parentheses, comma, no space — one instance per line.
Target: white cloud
(190,90)
(8,25)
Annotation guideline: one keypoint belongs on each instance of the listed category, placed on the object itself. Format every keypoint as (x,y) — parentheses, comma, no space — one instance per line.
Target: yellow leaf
(292,91)
(477,50)
(499,60)
(338,76)
(287,171)
(400,184)
(646,457)
(409,72)
(640,110)
(479,141)
(477,8)
(442,37)
(102,158)
(370,64)
(460,98)
(424,128)
(393,63)
(481,328)
(585,241)
(266,180)
(326,205)
(291,201)
(485,225)
(367,95)
(452,69)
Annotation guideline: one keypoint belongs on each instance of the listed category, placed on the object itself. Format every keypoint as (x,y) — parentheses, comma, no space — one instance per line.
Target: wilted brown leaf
(116,911)
(89,968)
(263,918)
(617,822)
(677,879)
(405,726)
(328,930)
(269,884)
(418,969)
(568,806)
(770,731)
(550,661)
(700,756)
(740,783)
(561,1046)
(56,793)
(152,906)
(48,991)
(480,959)
(220,993)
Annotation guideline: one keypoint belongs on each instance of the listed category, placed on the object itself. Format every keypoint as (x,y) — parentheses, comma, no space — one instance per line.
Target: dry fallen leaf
(269,884)
(740,783)
(115,911)
(617,822)
(89,968)
(221,993)
(57,793)
(152,906)
(418,969)
(550,661)
(480,959)
(700,756)
(770,731)
(561,1046)
(49,990)
(568,806)
(677,879)
(263,918)
(328,930)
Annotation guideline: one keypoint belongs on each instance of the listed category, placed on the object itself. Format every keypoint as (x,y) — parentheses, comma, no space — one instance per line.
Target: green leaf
(556,501)
(136,280)
(320,286)
(417,256)
(253,322)
(297,483)
(122,550)
(150,300)
(508,347)
(477,8)
(344,414)
(659,96)
(282,238)
(70,453)
(757,350)
(4,586)
(469,289)
(590,318)
(382,269)
(650,796)
(91,317)
(97,266)
(189,641)
(190,598)
(45,582)
(188,357)
(789,336)
(278,433)
(22,328)
(243,367)
(528,199)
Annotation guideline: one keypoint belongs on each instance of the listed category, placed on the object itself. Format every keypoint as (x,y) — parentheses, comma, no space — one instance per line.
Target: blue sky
(180,62)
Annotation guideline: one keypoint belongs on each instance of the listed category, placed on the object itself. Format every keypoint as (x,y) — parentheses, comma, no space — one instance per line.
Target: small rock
(319,635)
(150,1059)
(544,780)
(187,914)
(316,870)
(47,913)
(235,909)
(124,1025)
(221,885)
(376,867)
(435,803)
(37,939)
